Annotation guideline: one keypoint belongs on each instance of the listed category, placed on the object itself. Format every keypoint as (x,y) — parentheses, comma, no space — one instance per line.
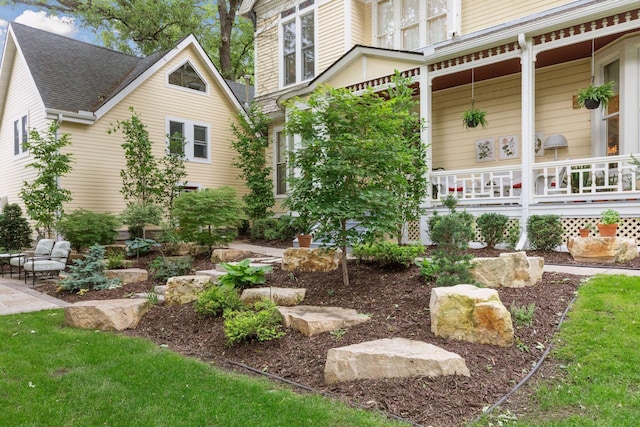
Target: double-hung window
(189,138)
(612,112)
(411,24)
(283,145)
(298,43)
(20,135)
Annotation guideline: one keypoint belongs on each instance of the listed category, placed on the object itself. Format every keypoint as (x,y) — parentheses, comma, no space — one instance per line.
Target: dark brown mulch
(398,302)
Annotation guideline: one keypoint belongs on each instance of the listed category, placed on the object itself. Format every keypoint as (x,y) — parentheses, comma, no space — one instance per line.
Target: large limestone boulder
(509,270)
(280,296)
(602,249)
(128,275)
(184,289)
(312,320)
(391,358)
(469,313)
(228,255)
(311,259)
(106,315)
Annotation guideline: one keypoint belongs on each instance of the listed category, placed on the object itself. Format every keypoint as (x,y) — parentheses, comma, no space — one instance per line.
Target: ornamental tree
(355,164)
(15,232)
(43,197)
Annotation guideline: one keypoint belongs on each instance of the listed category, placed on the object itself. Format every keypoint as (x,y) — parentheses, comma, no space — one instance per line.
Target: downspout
(528,106)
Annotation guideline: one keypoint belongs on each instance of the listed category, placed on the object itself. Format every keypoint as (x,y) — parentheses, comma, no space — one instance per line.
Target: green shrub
(170,239)
(492,227)
(243,275)
(214,300)
(88,273)
(140,246)
(388,254)
(137,215)
(115,260)
(162,268)
(513,236)
(263,323)
(523,315)
(15,232)
(287,227)
(83,228)
(451,233)
(263,227)
(544,231)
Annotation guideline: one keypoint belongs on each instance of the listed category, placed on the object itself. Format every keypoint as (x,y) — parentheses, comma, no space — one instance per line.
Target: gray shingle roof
(72,75)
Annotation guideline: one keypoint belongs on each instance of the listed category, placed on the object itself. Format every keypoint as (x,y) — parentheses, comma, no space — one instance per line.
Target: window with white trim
(611,117)
(411,24)
(298,43)
(20,135)
(283,145)
(189,138)
(186,76)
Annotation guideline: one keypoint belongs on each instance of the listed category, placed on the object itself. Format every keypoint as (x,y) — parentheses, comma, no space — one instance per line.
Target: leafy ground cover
(398,304)
(56,376)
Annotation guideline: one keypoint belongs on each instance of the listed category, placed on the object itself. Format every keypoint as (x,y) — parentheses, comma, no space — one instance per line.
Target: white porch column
(528,95)
(425,139)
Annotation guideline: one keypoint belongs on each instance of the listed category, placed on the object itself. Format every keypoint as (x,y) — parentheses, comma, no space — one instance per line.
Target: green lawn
(599,349)
(57,376)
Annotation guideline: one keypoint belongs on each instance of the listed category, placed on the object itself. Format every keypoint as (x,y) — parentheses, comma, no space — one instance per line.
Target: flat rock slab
(213,274)
(106,315)
(220,268)
(184,289)
(391,358)
(228,254)
(128,275)
(280,296)
(311,320)
(602,249)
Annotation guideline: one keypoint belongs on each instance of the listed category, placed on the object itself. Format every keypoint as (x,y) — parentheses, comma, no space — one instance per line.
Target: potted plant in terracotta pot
(473,117)
(584,232)
(608,225)
(593,97)
(304,227)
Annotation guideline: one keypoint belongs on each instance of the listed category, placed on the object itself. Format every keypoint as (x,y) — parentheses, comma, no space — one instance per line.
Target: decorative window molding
(298,50)
(187,77)
(196,139)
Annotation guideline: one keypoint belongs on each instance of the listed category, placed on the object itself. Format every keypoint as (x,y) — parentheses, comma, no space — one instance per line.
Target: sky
(63,25)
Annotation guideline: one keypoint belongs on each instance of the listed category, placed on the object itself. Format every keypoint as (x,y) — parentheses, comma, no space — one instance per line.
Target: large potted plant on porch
(608,225)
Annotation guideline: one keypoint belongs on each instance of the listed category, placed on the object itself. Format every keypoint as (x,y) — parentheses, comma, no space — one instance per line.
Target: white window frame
(627,51)
(290,146)
(452,22)
(184,88)
(20,134)
(296,18)
(189,138)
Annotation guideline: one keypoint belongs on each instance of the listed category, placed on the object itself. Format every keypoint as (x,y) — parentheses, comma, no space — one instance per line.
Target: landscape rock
(279,296)
(468,313)
(128,275)
(509,270)
(106,315)
(602,249)
(228,255)
(311,259)
(312,320)
(391,358)
(184,289)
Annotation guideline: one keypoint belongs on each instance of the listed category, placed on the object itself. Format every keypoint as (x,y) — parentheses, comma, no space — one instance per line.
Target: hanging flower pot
(593,97)
(591,104)
(474,117)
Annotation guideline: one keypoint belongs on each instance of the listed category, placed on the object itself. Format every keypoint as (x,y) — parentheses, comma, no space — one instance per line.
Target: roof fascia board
(116,99)
(83,117)
(563,16)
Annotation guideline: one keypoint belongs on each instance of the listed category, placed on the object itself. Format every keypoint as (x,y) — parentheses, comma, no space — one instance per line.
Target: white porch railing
(611,178)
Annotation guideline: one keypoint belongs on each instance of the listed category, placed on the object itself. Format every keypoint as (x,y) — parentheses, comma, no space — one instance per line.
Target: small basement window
(186,76)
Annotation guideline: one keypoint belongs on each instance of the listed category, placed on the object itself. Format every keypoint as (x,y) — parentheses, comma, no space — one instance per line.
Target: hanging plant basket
(591,104)
(593,97)
(474,117)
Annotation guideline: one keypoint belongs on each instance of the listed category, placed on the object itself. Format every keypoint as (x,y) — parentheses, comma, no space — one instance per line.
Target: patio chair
(54,263)
(43,249)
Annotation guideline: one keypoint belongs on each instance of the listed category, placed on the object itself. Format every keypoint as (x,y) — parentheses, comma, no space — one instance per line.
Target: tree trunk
(343,246)
(227,12)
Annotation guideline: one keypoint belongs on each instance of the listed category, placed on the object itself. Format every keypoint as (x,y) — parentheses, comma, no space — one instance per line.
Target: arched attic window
(186,76)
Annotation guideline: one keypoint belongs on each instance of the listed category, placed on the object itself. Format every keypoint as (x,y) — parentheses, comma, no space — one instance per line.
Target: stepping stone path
(279,296)
(106,315)
(391,358)
(128,275)
(311,320)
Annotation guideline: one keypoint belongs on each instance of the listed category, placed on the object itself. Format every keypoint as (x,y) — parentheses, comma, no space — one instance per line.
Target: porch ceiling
(512,66)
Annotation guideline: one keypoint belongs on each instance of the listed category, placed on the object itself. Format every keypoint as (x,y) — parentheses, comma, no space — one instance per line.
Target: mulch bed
(398,302)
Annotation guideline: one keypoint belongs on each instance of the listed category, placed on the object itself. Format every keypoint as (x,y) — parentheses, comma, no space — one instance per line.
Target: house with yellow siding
(87,89)
(522,62)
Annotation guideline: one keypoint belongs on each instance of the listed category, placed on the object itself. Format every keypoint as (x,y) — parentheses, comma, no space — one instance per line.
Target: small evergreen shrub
(83,228)
(544,231)
(15,232)
(88,273)
(492,227)
(388,254)
(115,260)
(162,268)
(265,229)
(214,300)
(262,322)
(242,275)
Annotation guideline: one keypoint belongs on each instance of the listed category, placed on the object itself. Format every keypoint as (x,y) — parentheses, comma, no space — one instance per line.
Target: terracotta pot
(608,230)
(584,232)
(304,240)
